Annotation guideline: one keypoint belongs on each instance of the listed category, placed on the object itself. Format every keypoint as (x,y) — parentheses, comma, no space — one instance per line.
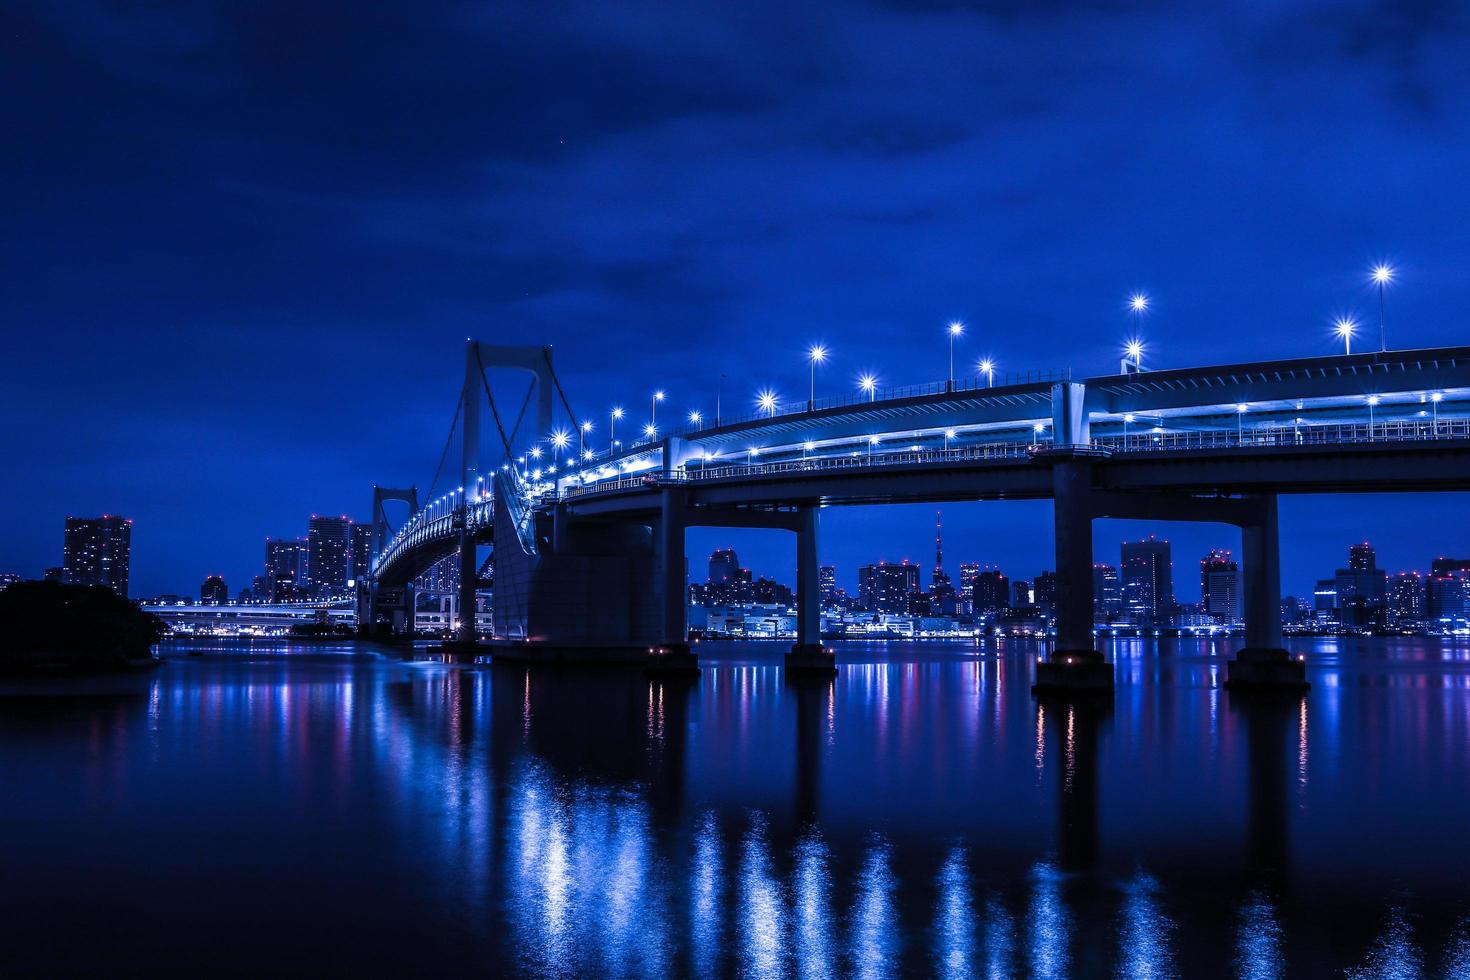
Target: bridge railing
(880,394)
(1304,434)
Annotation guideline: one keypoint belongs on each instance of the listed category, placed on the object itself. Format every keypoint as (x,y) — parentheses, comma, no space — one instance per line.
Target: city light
(650,430)
(658,396)
(868,385)
(1240,411)
(1372,404)
(955,329)
(1134,350)
(948,435)
(612,430)
(987,368)
(1138,303)
(1382,276)
(817,354)
(767,401)
(1345,328)
(695,418)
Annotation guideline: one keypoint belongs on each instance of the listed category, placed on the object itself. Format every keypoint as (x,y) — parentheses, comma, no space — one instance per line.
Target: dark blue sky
(244,242)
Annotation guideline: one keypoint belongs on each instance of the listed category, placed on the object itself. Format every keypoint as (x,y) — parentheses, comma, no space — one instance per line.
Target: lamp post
(651,431)
(1126,420)
(872,441)
(612,421)
(1434,401)
(868,385)
(767,402)
(816,355)
(1372,404)
(695,419)
(955,329)
(1382,275)
(658,396)
(948,435)
(1345,328)
(807,447)
(1240,411)
(1133,350)
(987,368)
(586,431)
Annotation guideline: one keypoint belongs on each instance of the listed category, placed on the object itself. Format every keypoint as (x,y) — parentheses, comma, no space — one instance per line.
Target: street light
(1133,349)
(612,422)
(817,355)
(987,368)
(650,430)
(868,385)
(1240,411)
(872,441)
(1126,420)
(559,440)
(1382,276)
(1372,404)
(807,447)
(1345,328)
(767,402)
(948,435)
(658,396)
(696,419)
(956,328)
(1434,401)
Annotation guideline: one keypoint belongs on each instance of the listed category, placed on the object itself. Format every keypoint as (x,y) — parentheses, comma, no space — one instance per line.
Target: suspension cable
(448,441)
(571,417)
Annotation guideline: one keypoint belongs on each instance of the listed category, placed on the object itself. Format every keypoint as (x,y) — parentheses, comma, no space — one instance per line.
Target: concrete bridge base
(811,660)
(1266,668)
(544,653)
(1073,672)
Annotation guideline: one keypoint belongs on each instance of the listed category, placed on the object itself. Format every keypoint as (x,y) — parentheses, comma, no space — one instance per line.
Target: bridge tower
(368,600)
(535,361)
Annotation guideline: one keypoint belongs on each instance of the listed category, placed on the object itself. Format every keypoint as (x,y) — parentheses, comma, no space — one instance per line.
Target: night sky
(244,243)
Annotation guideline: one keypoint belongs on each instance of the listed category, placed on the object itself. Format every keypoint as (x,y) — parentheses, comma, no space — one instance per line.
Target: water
(270,809)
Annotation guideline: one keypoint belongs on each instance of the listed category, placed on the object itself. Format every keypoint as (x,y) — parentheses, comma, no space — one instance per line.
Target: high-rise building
(769,592)
(724,566)
(991,593)
(1044,592)
(1021,594)
(328,552)
(885,588)
(1106,600)
(1362,557)
(729,584)
(1147,574)
(285,562)
(214,590)
(1406,597)
(1447,592)
(1219,586)
(941,588)
(827,581)
(362,550)
(96,551)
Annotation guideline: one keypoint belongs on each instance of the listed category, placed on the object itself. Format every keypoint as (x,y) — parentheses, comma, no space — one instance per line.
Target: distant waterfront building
(1044,592)
(8,578)
(328,554)
(362,551)
(1406,597)
(886,588)
(968,571)
(1362,557)
(1106,599)
(54,574)
(1147,574)
(991,594)
(214,590)
(1219,586)
(1362,588)
(1447,593)
(769,592)
(827,582)
(285,560)
(1021,593)
(97,551)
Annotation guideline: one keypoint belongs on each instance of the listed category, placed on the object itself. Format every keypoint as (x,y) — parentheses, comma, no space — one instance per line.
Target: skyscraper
(214,590)
(362,550)
(1406,597)
(1362,557)
(1147,573)
(96,551)
(827,582)
(991,594)
(328,548)
(886,588)
(1106,600)
(285,567)
(1219,586)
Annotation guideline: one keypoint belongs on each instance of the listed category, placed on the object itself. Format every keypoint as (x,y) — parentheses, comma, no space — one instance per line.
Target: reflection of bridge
(588,547)
(267,615)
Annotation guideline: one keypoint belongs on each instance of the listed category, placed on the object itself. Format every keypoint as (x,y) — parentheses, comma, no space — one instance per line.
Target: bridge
(587,541)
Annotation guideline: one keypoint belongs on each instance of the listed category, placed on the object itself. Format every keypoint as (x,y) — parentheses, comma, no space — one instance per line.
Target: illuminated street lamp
(1434,401)
(767,401)
(868,385)
(695,419)
(1126,420)
(816,355)
(1382,276)
(650,430)
(1240,411)
(956,328)
(807,447)
(948,435)
(1133,350)
(1372,404)
(987,368)
(658,396)
(612,422)
(872,441)
(1345,328)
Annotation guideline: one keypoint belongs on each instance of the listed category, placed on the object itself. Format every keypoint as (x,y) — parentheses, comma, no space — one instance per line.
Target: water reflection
(913,817)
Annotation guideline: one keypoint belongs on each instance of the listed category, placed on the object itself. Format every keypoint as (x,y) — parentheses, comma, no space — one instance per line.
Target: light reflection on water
(917,816)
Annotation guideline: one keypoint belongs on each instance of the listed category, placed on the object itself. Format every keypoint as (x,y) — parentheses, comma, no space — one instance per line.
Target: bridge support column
(1264,662)
(808,657)
(1074,665)
(672,654)
(469,569)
